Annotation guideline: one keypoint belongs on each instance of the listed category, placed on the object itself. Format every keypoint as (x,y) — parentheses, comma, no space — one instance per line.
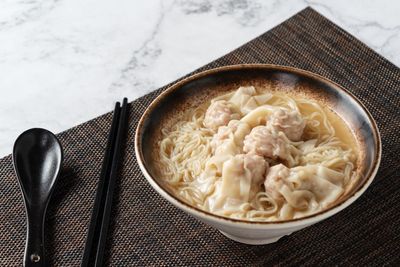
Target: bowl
(199,88)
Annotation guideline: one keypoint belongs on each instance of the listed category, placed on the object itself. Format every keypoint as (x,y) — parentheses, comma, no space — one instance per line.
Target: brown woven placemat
(146,230)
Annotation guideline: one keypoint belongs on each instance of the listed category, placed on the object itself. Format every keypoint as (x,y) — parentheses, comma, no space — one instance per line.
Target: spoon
(37,158)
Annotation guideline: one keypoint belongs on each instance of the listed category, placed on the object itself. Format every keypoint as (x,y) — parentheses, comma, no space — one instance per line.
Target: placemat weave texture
(148,231)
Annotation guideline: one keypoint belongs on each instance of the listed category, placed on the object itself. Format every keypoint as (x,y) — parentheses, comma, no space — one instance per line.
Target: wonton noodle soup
(258,155)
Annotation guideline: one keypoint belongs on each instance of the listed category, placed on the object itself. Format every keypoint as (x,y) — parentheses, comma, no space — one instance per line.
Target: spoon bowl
(37,158)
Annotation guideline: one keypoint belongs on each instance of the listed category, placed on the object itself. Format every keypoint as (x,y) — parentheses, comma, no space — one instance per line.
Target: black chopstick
(96,239)
(113,175)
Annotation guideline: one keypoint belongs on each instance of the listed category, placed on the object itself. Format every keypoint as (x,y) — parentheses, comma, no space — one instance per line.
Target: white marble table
(65,62)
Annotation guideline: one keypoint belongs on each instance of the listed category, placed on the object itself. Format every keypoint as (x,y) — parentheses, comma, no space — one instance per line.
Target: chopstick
(96,239)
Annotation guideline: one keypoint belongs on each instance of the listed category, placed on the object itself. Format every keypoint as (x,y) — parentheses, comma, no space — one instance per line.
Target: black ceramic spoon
(37,158)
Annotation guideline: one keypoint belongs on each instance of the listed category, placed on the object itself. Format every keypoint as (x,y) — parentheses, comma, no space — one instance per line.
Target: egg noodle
(258,156)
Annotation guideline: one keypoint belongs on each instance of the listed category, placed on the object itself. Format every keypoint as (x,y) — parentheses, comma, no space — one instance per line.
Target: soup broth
(258,155)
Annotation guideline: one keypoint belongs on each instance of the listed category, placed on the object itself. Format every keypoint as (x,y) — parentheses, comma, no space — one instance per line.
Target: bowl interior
(196,90)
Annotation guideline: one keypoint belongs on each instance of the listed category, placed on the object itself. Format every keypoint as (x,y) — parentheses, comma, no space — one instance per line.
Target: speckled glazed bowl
(169,107)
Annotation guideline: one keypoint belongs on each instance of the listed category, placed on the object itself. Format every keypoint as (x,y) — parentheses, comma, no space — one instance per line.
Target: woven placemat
(146,230)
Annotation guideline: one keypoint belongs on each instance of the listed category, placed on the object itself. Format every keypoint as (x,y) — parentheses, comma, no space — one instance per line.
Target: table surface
(65,62)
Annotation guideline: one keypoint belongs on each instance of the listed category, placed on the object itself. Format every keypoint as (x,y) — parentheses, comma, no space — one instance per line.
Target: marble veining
(65,62)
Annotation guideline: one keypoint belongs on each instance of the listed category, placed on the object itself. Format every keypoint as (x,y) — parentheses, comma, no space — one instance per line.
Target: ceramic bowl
(199,88)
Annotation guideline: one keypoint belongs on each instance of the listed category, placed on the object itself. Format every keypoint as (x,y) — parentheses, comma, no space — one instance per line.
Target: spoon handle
(34,250)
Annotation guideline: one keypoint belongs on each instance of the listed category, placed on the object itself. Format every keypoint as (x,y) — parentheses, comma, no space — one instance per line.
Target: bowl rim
(197,212)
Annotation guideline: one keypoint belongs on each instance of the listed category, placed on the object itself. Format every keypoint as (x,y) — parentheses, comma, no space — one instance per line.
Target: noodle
(213,169)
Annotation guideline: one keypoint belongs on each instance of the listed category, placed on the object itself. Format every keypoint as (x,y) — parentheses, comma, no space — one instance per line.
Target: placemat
(148,231)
